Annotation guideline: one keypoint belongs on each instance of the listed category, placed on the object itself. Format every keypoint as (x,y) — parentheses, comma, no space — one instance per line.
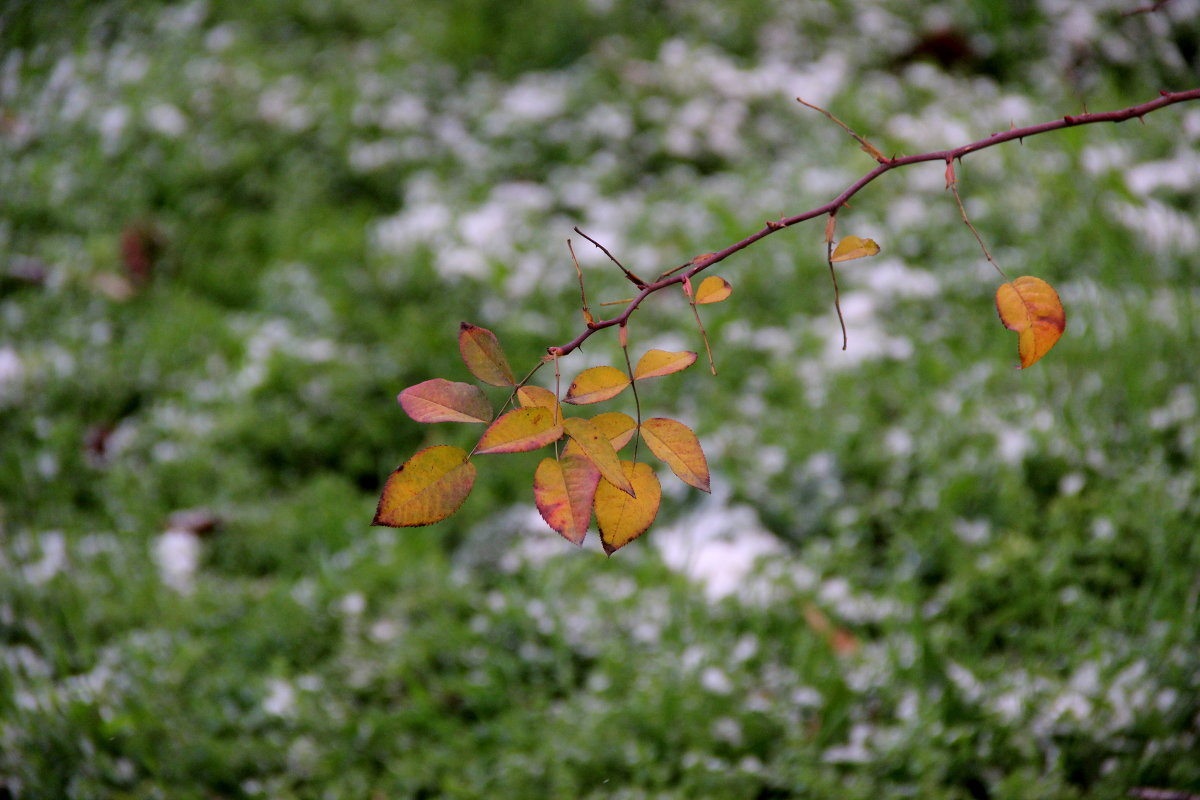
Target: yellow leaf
(618,427)
(1031,307)
(537,397)
(596,385)
(853,247)
(597,448)
(679,448)
(622,518)
(482,354)
(440,400)
(564,490)
(662,362)
(713,290)
(520,430)
(426,489)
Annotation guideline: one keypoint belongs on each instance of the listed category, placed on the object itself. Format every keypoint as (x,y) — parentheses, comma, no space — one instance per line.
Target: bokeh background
(232,230)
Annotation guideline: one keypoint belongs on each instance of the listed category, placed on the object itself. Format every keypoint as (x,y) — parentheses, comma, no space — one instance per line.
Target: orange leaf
(679,448)
(596,385)
(482,354)
(1031,307)
(426,489)
(622,518)
(661,362)
(713,290)
(618,427)
(564,491)
(537,397)
(853,247)
(440,400)
(596,447)
(520,430)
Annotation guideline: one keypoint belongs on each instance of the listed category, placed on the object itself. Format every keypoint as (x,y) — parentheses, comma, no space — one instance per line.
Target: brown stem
(1164,99)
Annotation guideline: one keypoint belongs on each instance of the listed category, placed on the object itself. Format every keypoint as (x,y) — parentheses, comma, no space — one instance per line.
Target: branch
(702,263)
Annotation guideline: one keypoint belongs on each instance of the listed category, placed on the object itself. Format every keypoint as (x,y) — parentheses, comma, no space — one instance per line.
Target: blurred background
(231,232)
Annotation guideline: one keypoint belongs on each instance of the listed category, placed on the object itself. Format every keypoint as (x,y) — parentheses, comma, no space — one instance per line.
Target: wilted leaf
(622,518)
(679,448)
(618,427)
(564,491)
(662,362)
(482,354)
(426,489)
(853,247)
(713,290)
(440,400)
(1031,307)
(841,640)
(520,430)
(596,385)
(596,447)
(537,397)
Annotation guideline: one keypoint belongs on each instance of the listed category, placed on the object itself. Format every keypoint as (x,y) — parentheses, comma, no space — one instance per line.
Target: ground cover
(233,231)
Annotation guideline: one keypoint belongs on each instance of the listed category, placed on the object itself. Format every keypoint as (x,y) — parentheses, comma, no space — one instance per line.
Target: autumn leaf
(596,385)
(440,400)
(564,490)
(597,448)
(618,427)
(520,430)
(661,362)
(426,489)
(483,356)
(853,247)
(622,518)
(679,449)
(537,397)
(1031,307)
(713,290)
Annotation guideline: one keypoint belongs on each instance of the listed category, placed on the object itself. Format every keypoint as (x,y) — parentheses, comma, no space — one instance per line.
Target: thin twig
(687,290)
(1149,9)
(587,315)
(1133,112)
(866,146)
(637,403)
(837,295)
(952,185)
(638,282)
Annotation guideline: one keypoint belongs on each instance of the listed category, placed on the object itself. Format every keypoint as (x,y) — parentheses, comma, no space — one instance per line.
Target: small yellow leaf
(564,490)
(520,430)
(483,356)
(597,448)
(1031,307)
(713,289)
(662,362)
(537,397)
(853,247)
(596,385)
(426,489)
(622,518)
(440,400)
(618,427)
(679,449)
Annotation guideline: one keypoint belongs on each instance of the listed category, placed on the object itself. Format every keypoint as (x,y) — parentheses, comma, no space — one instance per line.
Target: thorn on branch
(773,225)
(634,279)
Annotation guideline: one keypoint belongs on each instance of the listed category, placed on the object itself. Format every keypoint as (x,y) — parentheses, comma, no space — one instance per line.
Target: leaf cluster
(586,476)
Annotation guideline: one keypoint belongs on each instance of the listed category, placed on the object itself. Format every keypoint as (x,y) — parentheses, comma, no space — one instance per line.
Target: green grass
(328,189)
